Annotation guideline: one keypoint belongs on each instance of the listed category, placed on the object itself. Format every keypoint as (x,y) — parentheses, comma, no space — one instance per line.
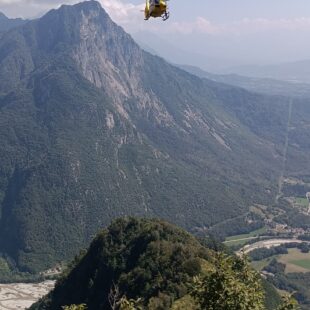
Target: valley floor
(22,295)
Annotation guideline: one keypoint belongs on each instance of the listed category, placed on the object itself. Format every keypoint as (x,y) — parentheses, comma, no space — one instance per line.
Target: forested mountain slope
(155,263)
(93,128)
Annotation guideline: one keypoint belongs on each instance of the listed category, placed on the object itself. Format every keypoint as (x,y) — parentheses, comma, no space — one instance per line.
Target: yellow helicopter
(156,8)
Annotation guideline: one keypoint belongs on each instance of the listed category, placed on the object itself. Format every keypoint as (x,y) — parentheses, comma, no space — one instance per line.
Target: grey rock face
(94,128)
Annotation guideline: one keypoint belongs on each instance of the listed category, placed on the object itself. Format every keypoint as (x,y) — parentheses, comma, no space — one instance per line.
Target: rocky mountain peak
(64,25)
(7,23)
(2,16)
(106,55)
(93,128)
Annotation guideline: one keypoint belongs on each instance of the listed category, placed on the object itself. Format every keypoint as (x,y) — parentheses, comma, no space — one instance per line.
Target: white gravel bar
(20,296)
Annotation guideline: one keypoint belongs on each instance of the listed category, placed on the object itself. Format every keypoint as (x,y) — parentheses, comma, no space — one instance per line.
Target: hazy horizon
(232,33)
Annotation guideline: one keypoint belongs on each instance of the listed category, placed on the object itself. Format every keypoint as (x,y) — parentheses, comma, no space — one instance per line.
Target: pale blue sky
(233,32)
(217,10)
(229,10)
(238,32)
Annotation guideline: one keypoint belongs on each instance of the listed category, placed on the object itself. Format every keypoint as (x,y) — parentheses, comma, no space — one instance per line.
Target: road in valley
(270,243)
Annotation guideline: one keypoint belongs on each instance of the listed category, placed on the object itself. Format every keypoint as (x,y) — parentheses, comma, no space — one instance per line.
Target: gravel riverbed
(20,296)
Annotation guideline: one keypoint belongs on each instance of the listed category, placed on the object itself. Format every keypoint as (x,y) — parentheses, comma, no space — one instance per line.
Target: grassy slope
(295,261)
(254,233)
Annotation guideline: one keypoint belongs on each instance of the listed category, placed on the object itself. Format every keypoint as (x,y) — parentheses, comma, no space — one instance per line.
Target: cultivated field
(295,261)
(243,239)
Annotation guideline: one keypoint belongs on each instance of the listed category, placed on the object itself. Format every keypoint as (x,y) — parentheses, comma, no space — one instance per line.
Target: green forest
(150,264)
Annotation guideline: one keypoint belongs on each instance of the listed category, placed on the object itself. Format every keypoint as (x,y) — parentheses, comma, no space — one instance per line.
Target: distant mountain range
(293,72)
(93,128)
(156,45)
(261,85)
(298,71)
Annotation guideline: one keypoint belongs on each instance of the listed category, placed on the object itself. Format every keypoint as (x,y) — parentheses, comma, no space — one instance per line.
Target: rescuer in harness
(156,8)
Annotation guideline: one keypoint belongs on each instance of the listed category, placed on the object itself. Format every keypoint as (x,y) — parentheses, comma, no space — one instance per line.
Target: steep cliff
(93,128)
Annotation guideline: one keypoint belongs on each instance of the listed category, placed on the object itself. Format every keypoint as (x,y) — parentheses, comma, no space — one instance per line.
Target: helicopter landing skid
(165,16)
